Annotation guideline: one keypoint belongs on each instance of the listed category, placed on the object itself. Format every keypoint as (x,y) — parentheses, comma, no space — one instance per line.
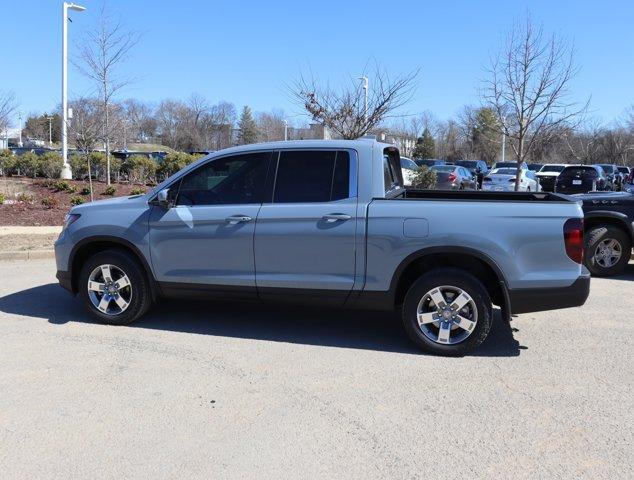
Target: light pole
(365,88)
(20,128)
(503,145)
(285,129)
(66,172)
(50,131)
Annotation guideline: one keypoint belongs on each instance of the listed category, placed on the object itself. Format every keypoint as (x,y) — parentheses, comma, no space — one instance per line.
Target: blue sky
(245,51)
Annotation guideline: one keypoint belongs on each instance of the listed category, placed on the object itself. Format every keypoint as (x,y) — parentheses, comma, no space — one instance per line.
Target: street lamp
(50,131)
(66,172)
(365,87)
(285,129)
(20,128)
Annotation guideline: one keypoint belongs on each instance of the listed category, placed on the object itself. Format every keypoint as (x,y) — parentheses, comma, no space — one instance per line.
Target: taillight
(573,239)
(452,177)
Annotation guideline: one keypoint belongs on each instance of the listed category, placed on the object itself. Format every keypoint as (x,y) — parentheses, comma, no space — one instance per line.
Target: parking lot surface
(249,391)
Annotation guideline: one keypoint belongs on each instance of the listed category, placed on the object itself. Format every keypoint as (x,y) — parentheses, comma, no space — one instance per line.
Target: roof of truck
(360,143)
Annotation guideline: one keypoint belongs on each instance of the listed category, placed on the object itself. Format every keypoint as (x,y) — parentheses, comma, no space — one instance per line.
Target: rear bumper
(65,280)
(526,300)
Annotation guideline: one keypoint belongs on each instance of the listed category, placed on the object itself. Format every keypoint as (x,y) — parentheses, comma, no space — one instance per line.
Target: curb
(27,255)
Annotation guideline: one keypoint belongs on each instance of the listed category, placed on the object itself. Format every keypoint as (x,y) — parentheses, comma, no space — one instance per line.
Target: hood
(123,202)
(547,174)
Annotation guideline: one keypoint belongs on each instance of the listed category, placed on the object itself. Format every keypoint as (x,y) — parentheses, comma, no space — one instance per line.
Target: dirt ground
(30,211)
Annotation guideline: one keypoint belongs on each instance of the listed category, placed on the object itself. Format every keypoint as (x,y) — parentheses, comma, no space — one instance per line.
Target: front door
(305,237)
(206,239)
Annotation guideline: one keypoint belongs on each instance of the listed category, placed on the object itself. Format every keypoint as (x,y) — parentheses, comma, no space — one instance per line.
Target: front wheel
(114,288)
(447,312)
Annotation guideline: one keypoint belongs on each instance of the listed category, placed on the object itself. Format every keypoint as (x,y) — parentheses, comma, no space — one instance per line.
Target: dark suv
(615,179)
(609,231)
(581,179)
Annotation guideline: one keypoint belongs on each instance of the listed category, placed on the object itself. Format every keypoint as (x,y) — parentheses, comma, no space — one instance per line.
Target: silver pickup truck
(328,223)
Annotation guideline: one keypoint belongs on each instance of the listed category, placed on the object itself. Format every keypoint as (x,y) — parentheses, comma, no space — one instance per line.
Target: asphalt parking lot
(246,391)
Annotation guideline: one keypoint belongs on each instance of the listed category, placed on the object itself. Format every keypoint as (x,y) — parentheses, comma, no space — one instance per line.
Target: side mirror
(163,199)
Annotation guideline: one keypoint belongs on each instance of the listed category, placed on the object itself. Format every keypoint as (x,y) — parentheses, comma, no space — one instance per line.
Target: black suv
(581,179)
(609,231)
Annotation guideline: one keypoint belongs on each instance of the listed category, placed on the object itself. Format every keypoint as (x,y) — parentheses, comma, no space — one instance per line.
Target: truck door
(305,235)
(206,238)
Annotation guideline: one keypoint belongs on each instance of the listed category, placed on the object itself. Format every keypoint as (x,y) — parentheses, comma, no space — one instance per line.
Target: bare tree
(86,127)
(8,104)
(101,53)
(528,87)
(343,110)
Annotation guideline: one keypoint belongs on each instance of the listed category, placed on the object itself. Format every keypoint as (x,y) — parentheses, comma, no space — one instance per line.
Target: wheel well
(469,263)
(593,222)
(84,252)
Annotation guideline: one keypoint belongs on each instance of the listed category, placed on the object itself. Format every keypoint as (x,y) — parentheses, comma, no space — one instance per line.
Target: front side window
(312,176)
(237,179)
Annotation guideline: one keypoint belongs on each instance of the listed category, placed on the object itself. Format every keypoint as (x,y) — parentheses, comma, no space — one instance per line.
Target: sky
(246,52)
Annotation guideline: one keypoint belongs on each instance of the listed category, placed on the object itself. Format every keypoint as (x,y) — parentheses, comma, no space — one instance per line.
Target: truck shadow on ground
(366,330)
(627,274)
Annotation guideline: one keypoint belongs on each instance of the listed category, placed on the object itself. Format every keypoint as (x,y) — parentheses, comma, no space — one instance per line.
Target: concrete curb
(27,255)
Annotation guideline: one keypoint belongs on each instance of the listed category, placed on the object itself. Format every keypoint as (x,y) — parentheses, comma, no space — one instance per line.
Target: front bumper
(526,300)
(65,280)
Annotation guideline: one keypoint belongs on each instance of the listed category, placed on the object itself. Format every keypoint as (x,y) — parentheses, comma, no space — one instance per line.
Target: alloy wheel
(608,253)
(109,289)
(447,315)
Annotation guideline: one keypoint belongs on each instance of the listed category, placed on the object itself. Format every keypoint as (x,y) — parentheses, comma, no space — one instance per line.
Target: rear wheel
(447,312)
(114,288)
(608,250)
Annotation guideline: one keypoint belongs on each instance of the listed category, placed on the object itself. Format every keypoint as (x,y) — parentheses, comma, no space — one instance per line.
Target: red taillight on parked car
(452,177)
(573,238)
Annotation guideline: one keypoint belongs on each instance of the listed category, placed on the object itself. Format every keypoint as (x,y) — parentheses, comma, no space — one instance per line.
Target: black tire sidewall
(454,277)
(596,235)
(140,290)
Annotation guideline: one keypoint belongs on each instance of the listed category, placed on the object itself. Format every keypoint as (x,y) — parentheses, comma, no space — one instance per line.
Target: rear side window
(312,176)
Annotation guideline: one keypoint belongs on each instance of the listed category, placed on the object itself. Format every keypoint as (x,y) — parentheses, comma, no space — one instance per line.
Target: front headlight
(69,219)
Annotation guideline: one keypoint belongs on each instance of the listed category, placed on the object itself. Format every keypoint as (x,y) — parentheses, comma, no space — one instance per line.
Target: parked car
(454,177)
(429,162)
(609,231)
(547,175)
(503,180)
(535,167)
(581,179)
(512,164)
(614,178)
(409,169)
(327,222)
(626,174)
(479,168)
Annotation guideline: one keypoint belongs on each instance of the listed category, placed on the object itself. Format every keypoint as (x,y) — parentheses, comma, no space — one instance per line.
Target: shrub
(27,164)
(2,198)
(172,163)
(425,178)
(111,190)
(25,197)
(137,191)
(7,162)
(71,189)
(76,200)
(49,202)
(79,165)
(48,183)
(85,191)
(62,186)
(140,169)
(50,165)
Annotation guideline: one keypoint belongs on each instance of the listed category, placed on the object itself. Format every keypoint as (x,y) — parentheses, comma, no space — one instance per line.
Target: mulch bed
(34,213)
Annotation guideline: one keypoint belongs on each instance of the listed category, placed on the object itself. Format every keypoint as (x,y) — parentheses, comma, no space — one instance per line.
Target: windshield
(409,164)
(427,162)
(505,171)
(623,170)
(607,168)
(467,163)
(443,168)
(505,164)
(534,167)
(552,168)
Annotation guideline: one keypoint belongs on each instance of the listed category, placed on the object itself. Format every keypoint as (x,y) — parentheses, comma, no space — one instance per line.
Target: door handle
(235,219)
(334,217)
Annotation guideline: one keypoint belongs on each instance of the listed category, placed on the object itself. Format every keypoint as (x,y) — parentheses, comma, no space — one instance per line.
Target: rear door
(305,235)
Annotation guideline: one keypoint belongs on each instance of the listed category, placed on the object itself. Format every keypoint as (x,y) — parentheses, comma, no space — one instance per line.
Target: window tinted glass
(231,180)
(552,168)
(388,175)
(579,172)
(607,168)
(312,176)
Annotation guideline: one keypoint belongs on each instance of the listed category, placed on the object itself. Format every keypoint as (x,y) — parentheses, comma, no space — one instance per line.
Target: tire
(598,237)
(478,309)
(136,297)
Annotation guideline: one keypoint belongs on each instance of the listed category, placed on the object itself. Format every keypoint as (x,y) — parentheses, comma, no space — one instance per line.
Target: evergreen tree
(248,128)
(425,146)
